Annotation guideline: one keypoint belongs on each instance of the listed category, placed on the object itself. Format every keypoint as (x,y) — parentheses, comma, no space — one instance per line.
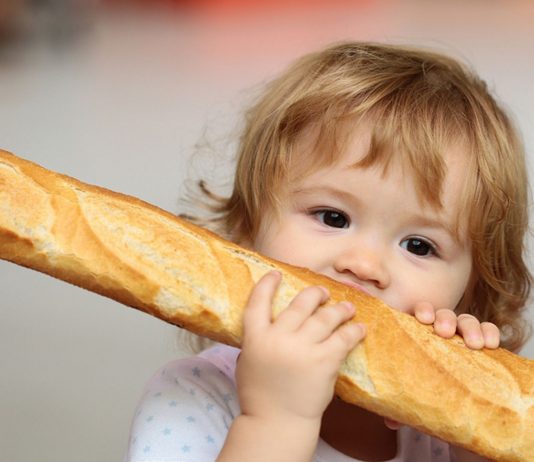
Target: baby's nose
(367,263)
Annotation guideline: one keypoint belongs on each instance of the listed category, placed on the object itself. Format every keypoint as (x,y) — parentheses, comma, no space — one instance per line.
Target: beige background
(119,98)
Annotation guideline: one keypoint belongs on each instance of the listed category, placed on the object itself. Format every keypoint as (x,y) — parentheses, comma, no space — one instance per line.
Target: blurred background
(122,94)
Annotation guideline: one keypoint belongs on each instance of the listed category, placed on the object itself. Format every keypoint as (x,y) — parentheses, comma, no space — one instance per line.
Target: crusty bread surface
(146,258)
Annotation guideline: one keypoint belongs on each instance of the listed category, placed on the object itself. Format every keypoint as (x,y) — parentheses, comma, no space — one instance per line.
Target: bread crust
(146,258)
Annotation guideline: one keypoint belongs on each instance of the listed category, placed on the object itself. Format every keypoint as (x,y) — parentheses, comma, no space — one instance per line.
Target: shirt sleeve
(184,414)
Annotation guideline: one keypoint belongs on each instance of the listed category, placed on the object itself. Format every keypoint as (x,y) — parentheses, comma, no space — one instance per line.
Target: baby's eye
(419,247)
(332,218)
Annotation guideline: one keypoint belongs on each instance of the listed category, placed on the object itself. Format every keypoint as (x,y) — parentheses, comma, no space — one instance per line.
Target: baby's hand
(288,367)
(476,334)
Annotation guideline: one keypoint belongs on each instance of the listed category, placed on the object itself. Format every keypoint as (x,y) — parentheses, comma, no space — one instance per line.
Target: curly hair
(419,103)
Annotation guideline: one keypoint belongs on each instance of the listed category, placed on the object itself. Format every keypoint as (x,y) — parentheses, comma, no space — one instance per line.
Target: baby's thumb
(392,424)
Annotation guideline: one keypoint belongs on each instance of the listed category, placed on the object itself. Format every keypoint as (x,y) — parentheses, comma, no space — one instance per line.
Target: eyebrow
(425,222)
(330,190)
(416,219)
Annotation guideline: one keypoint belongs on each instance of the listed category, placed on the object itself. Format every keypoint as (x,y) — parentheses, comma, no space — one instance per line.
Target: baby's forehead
(364,144)
(438,178)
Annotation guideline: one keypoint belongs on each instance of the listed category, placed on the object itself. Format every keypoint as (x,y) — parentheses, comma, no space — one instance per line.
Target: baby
(391,170)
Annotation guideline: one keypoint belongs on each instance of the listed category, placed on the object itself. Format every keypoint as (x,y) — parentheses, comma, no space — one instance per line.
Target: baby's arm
(286,373)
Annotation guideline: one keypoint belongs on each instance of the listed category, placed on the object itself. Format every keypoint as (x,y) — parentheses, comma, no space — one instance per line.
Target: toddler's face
(372,232)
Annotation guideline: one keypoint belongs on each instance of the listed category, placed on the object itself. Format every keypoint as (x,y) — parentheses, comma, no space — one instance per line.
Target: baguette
(148,259)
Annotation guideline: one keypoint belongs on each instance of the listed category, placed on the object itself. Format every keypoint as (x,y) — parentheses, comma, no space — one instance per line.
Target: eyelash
(317,214)
(433,251)
(320,214)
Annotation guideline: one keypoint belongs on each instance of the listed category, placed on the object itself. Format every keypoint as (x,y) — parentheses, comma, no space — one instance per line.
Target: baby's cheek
(408,295)
(400,300)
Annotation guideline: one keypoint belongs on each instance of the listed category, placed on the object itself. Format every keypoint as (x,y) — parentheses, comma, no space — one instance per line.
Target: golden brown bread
(148,259)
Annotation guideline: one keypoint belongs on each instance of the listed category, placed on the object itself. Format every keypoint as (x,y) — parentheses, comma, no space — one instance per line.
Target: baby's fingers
(492,335)
(326,320)
(478,335)
(258,312)
(301,308)
(392,424)
(345,338)
(470,329)
(424,312)
(445,324)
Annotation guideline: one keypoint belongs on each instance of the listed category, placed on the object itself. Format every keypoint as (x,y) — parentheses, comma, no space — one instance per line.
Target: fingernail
(426,317)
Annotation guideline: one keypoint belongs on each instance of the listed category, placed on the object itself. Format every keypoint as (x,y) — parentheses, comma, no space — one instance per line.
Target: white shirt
(188,406)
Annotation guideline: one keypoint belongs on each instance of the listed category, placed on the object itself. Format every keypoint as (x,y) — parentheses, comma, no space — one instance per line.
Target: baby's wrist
(251,438)
(284,423)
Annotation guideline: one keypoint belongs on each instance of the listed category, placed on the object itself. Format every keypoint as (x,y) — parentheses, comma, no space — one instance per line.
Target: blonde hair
(419,104)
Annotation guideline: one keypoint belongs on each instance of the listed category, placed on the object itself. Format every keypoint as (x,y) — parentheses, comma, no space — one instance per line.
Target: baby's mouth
(356,286)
